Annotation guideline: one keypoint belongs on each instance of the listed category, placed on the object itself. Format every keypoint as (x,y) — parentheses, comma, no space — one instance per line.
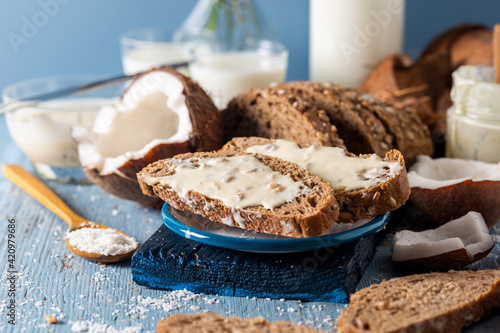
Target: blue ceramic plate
(200,229)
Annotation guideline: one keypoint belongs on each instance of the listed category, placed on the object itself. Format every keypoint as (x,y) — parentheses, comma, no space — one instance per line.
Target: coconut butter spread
(332,164)
(238,181)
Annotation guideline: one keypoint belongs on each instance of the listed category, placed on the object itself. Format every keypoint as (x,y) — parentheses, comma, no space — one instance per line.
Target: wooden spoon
(34,187)
(496,52)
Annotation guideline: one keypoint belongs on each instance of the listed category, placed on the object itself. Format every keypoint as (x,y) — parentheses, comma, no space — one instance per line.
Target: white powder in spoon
(101,241)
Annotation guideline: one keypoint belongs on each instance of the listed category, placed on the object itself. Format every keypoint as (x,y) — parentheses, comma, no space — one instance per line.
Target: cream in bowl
(43,131)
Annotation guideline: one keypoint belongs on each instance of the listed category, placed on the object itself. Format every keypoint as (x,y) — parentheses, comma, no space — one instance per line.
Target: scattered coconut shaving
(168,302)
(92,327)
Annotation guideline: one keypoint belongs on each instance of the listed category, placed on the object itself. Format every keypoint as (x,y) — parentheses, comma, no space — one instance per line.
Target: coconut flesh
(152,112)
(447,188)
(435,173)
(454,244)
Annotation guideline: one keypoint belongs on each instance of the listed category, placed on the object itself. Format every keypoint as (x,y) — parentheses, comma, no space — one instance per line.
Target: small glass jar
(473,122)
(144,48)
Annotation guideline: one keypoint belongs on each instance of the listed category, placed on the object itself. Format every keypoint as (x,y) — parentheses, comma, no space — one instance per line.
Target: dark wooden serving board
(171,262)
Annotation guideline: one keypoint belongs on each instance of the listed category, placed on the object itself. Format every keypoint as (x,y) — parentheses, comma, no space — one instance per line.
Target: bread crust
(381,198)
(358,204)
(432,302)
(320,208)
(211,322)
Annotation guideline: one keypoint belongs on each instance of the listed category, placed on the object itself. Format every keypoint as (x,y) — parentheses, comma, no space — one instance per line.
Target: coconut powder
(101,241)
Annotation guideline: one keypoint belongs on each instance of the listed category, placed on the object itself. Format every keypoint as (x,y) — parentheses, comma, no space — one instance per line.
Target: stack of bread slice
(326,114)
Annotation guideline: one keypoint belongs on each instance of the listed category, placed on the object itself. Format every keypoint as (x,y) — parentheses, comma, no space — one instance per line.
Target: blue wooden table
(50,280)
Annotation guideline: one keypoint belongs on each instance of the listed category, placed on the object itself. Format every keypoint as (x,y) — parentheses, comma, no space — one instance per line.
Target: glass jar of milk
(238,49)
(473,122)
(348,38)
(224,73)
(43,131)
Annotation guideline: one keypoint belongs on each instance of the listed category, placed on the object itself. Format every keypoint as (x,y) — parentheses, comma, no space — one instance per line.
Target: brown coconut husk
(426,82)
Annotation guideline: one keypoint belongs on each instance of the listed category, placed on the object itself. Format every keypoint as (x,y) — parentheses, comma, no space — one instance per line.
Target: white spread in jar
(473,122)
(238,181)
(332,164)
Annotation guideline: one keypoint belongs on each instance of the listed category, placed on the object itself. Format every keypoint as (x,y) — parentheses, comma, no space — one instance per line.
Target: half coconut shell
(426,82)
(465,44)
(162,113)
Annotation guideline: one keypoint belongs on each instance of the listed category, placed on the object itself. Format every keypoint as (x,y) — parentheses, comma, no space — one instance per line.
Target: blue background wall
(82,35)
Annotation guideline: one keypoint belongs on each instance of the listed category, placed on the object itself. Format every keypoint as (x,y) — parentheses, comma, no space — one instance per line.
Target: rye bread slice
(214,323)
(360,129)
(356,204)
(309,214)
(411,136)
(266,113)
(433,302)
(402,127)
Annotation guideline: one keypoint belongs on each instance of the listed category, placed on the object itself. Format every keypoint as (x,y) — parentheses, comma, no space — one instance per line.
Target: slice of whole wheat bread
(266,113)
(365,123)
(360,129)
(309,214)
(433,302)
(214,323)
(359,204)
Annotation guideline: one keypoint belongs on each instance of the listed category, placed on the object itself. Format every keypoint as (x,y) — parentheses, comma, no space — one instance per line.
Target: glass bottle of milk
(348,38)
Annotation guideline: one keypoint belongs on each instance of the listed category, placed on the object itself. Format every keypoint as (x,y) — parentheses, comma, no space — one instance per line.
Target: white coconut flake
(101,241)
(92,327)
(168,302)
(432,173)
(468,232)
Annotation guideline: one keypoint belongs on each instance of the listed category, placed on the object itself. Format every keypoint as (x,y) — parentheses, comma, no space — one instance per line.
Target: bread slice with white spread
(365,185)
(432,302)
(256,192)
